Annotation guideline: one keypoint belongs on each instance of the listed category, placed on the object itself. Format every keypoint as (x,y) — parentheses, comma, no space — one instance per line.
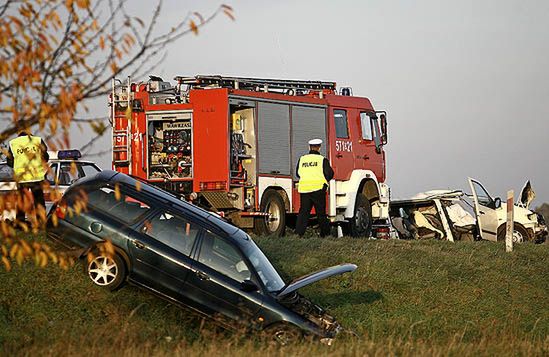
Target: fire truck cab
(235,142)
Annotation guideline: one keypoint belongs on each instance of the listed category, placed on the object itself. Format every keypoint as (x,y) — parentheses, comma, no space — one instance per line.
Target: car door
(216,282)
(160,251)
(485,211)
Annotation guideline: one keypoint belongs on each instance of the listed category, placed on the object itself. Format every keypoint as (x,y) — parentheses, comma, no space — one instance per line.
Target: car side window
(177,232)
(6,173)
(366,126)
(52,174)
(66,175)
(223,257)
(341,126)
(483,197)
(87,170)
(123,206)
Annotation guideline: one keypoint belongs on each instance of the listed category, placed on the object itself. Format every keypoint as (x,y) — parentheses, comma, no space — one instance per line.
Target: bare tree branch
(61,54)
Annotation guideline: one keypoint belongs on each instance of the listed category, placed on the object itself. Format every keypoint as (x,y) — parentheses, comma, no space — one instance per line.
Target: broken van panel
(438,214)
(527,195)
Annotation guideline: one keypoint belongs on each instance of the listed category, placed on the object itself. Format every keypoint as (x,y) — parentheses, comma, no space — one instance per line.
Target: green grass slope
(405,298)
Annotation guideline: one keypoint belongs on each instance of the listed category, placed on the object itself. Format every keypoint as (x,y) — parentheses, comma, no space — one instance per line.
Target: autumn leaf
(117,194)
(13,251)
(114,67)
(229,14)
(108,248)
(193,27)
(83,4)
(43,259)
(7,263)
(128,113)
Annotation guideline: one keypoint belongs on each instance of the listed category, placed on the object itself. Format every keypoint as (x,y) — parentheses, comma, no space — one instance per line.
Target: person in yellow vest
(28,155)
(314,173)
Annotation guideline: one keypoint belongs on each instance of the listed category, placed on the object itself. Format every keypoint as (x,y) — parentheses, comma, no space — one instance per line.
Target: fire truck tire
(361,223)
(275,224)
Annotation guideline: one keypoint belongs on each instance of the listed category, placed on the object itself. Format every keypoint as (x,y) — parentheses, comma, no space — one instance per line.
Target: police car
(65,169)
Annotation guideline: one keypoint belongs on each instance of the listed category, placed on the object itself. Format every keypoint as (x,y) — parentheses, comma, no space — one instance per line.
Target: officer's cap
(314,142)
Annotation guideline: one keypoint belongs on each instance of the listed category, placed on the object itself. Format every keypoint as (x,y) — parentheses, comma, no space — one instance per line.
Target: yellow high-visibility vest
(28,165)
(311,173)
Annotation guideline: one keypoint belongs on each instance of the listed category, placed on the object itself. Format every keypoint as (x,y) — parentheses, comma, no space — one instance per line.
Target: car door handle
(481,212)
(366,157)
(139,245)
(202,276)
(339,156)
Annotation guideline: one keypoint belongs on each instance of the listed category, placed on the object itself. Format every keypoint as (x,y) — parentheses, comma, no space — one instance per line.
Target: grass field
(406,298)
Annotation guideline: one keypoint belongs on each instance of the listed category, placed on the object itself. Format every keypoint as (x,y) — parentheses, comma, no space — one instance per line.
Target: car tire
(283,334)
(361,223)
(520,234)
(275,224)
(106,270)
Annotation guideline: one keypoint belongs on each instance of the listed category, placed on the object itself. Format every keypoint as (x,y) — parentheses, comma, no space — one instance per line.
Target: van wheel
(520,234)
(106,270)
(361,224)
(275,223)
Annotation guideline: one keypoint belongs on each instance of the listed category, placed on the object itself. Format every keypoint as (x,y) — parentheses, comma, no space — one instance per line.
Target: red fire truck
(234,142)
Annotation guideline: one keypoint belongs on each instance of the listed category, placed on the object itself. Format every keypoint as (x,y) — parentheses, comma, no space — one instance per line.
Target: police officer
(28,155)
(314,172)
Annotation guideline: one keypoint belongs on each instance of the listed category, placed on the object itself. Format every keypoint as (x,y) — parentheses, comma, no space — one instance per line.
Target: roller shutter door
(307,123)
(274,138)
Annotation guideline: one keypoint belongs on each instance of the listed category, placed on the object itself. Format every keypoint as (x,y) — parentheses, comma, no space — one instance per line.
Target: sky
(465,83)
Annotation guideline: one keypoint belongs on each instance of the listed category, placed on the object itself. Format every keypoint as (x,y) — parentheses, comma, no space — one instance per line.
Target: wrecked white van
(446,214)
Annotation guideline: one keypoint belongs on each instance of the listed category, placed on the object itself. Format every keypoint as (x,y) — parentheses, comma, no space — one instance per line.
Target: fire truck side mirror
(383,118)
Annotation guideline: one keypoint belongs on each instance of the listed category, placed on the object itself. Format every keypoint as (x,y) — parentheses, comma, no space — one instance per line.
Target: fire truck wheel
(361,224)
(275,223)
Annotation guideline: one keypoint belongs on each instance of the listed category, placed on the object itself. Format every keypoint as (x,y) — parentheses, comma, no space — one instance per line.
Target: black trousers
(37,191)
(316,199)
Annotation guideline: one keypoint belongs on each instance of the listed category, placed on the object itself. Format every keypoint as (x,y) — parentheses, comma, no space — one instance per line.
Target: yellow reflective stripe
(27,159)
(311,173)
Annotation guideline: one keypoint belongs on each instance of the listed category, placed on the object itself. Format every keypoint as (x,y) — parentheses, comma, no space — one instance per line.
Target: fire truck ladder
(256,84)
(120,100)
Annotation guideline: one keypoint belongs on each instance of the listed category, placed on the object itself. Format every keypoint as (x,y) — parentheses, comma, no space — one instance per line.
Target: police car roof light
(69,154)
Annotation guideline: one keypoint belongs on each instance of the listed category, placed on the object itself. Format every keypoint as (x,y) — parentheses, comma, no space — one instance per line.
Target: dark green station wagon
(187,255)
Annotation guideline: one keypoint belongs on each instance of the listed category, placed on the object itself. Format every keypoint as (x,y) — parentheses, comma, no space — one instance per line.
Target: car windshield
(267,273)
(6,172)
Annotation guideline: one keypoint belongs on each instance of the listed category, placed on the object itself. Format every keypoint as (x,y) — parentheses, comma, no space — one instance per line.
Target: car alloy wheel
(106,270)
(517,237)
(520,234)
